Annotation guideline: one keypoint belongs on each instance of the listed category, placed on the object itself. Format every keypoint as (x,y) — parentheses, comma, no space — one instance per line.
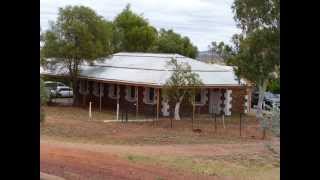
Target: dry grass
(260,167)
(72,124)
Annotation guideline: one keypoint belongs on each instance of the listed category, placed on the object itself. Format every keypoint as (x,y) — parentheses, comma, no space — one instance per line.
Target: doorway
(214,101)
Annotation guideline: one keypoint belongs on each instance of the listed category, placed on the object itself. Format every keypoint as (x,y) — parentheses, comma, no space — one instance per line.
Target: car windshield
(276,96)
(51,85)
(65,89)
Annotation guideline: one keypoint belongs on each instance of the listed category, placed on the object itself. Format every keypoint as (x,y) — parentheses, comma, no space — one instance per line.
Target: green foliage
(171,42)
(251,15)
(275,121)
(271,121)
(182,82)
(43,99)
(274,86)
(42,115)
(257,49)
(43,93)
(223,50)
(132,32)
(258,56)
(78,35)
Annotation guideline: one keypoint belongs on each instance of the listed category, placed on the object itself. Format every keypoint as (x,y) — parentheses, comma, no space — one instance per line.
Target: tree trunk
(76,94)
(177,108)
(224,126)
(176,111)
(262,90)
(264,132)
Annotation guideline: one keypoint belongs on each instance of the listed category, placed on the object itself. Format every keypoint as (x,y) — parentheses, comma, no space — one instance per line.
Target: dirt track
(76,163)
(90,161)
(174,149)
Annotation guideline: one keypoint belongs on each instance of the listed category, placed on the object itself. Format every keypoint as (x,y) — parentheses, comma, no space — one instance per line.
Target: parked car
(270,100)
(53,87)
(64,92)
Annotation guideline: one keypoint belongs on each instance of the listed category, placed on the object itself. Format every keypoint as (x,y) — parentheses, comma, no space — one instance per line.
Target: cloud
(203,21)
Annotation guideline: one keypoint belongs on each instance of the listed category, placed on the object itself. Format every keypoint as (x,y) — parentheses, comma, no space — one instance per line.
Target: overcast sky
(203,21)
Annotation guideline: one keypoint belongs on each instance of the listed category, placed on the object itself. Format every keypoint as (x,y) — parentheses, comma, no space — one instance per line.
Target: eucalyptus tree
(78,35)
(132,32)
(171,42)
(181,84)
(257,56)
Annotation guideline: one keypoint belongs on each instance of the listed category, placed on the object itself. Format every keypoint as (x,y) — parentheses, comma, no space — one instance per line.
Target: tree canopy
(79,35)
(170,42)
(182,76)
(258,56)
(224,51)
(251,15)
(257,49)
(133,32)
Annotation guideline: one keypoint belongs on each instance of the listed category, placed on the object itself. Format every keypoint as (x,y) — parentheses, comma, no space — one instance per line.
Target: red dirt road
(76,163)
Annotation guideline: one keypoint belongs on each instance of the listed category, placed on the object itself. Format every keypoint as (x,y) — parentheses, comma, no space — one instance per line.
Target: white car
(270,101)
(53,87)
(64,92)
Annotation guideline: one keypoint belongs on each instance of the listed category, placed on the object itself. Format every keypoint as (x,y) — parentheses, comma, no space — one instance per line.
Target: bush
(274,86)
(43,99)
(271,121)
(275,122)
(42,115)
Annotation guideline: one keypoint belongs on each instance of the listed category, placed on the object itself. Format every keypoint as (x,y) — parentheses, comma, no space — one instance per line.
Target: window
(65,89)
(130,93)
(133,92)
(151,94)
(51,85)
(115,90)
(198,98)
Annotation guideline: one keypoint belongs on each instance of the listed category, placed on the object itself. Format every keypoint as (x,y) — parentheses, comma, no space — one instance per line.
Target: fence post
(122,112)
(215,122)
(90,115)
(126,115)
(240,123)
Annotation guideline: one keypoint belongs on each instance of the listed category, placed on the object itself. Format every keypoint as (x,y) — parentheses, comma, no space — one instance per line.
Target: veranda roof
(148,69)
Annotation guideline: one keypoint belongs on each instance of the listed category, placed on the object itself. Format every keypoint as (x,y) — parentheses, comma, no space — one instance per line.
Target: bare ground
(77,163)
(74,148)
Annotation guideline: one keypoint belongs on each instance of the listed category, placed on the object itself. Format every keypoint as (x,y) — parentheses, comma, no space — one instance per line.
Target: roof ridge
(156,55)
(152,69)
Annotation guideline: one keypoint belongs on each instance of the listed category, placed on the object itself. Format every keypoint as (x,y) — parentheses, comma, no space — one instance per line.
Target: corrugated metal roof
(149,68)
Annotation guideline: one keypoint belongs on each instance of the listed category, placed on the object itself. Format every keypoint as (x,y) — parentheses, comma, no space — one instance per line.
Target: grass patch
(240,166)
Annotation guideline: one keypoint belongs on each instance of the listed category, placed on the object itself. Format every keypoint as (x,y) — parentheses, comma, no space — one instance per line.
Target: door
(214,101)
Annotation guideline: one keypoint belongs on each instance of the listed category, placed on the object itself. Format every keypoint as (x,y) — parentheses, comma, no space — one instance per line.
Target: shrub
(43,99)
(271,121)
(275,122)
